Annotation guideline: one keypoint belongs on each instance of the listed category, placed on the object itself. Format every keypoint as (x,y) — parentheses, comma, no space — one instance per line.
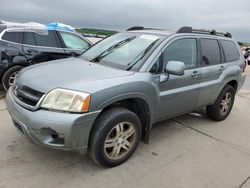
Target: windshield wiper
(140,56)
(112,48)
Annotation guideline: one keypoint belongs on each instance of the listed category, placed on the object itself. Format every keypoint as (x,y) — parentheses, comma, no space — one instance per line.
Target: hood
(69,73)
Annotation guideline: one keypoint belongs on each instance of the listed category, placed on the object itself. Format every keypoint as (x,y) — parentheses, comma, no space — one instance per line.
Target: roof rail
(135,28)
(142,28)
(201,31)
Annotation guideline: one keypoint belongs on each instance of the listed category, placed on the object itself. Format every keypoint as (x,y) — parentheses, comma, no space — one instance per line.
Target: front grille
(27,95)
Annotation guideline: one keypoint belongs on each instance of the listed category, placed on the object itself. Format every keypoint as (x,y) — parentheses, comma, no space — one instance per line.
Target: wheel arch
(4,70)
(137,105)
(233,83)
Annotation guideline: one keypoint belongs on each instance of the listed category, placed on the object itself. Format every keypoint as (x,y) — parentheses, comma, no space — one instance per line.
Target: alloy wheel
(12,78)
(225,103)
(120,140)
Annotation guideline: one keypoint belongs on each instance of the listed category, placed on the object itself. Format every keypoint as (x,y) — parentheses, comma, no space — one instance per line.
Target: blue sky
(222,15)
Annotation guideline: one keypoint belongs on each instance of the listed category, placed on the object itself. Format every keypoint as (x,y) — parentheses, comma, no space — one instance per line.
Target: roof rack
(135,28)
(141,28)
(207,32)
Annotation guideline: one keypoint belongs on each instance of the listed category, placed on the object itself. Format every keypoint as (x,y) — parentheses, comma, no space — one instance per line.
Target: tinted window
(29,38)
(210,52)
(230,50)
(183,50)
(73,41)
(13,37)
(49,39)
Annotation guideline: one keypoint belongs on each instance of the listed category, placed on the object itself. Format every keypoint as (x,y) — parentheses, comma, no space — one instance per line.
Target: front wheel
(9,76)
(115,137)
(223,104)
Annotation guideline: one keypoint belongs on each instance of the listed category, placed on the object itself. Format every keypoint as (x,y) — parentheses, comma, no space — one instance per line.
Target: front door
(74,45)
(179,94)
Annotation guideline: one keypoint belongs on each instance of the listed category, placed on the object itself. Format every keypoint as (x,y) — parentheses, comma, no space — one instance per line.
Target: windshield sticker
(149,37)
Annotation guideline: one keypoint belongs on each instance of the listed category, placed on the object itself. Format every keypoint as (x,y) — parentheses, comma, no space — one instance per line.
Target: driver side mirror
(173,67)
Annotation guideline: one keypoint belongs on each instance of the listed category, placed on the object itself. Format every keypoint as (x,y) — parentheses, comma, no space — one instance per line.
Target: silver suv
(107,100)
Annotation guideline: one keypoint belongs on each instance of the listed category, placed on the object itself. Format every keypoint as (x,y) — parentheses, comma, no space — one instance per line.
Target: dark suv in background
(23,45)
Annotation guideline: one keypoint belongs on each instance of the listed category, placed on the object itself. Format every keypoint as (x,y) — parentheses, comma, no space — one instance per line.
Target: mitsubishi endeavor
(106,101)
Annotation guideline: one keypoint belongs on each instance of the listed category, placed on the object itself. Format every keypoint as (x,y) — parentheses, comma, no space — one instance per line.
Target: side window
(230,50)
(73,41)
(16,37)
(210,52)
(49,39)
(29,38)
(184,50)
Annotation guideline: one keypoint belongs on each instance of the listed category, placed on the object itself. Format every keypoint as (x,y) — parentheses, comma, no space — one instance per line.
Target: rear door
(11,50)
(42,46)
(74,45)
(212,66)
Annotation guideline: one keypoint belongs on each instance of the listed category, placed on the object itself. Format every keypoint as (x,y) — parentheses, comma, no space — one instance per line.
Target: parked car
(107,100)
(22,45)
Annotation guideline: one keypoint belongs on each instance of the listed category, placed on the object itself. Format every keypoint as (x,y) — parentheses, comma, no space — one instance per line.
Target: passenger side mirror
(74,54)
(175,68)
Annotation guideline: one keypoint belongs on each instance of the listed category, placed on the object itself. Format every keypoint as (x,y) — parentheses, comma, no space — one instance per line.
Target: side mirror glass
(175,68)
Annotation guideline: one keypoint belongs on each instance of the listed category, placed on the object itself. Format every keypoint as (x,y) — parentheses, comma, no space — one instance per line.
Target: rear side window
(29,38)
(49,39)
(210,52)
(16,37)
(230,50)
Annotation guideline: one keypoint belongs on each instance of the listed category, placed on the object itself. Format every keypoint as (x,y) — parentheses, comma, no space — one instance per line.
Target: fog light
(49,136)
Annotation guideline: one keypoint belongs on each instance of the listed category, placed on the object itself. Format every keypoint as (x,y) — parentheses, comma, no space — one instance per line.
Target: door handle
(195,74)
(31,51)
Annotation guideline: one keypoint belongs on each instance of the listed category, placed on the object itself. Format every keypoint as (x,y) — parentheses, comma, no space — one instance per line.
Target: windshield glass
(123,50)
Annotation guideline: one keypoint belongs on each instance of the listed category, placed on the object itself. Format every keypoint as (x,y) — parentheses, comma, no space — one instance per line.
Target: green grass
(96,31)
(244,44)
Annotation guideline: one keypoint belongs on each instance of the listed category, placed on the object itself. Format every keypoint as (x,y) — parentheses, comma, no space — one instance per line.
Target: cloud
(223,15)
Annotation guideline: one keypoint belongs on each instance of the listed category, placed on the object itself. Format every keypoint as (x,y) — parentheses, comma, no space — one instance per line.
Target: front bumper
(58,130)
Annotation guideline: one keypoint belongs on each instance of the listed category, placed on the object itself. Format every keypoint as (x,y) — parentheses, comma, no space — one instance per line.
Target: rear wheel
(9,76)
(223,104)
(115,137)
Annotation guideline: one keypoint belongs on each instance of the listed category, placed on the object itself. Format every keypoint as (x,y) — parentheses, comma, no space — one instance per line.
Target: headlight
(66,100)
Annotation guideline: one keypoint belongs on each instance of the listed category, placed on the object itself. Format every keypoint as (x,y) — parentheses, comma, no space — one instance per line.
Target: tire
(8,76)
(248,62)
(223,104)
(105,139)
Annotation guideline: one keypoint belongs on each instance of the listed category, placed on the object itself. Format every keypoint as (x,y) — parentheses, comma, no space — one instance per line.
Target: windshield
(123,50)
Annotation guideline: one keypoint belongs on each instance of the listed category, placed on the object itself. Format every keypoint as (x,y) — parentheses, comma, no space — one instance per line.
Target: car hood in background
(68,73)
